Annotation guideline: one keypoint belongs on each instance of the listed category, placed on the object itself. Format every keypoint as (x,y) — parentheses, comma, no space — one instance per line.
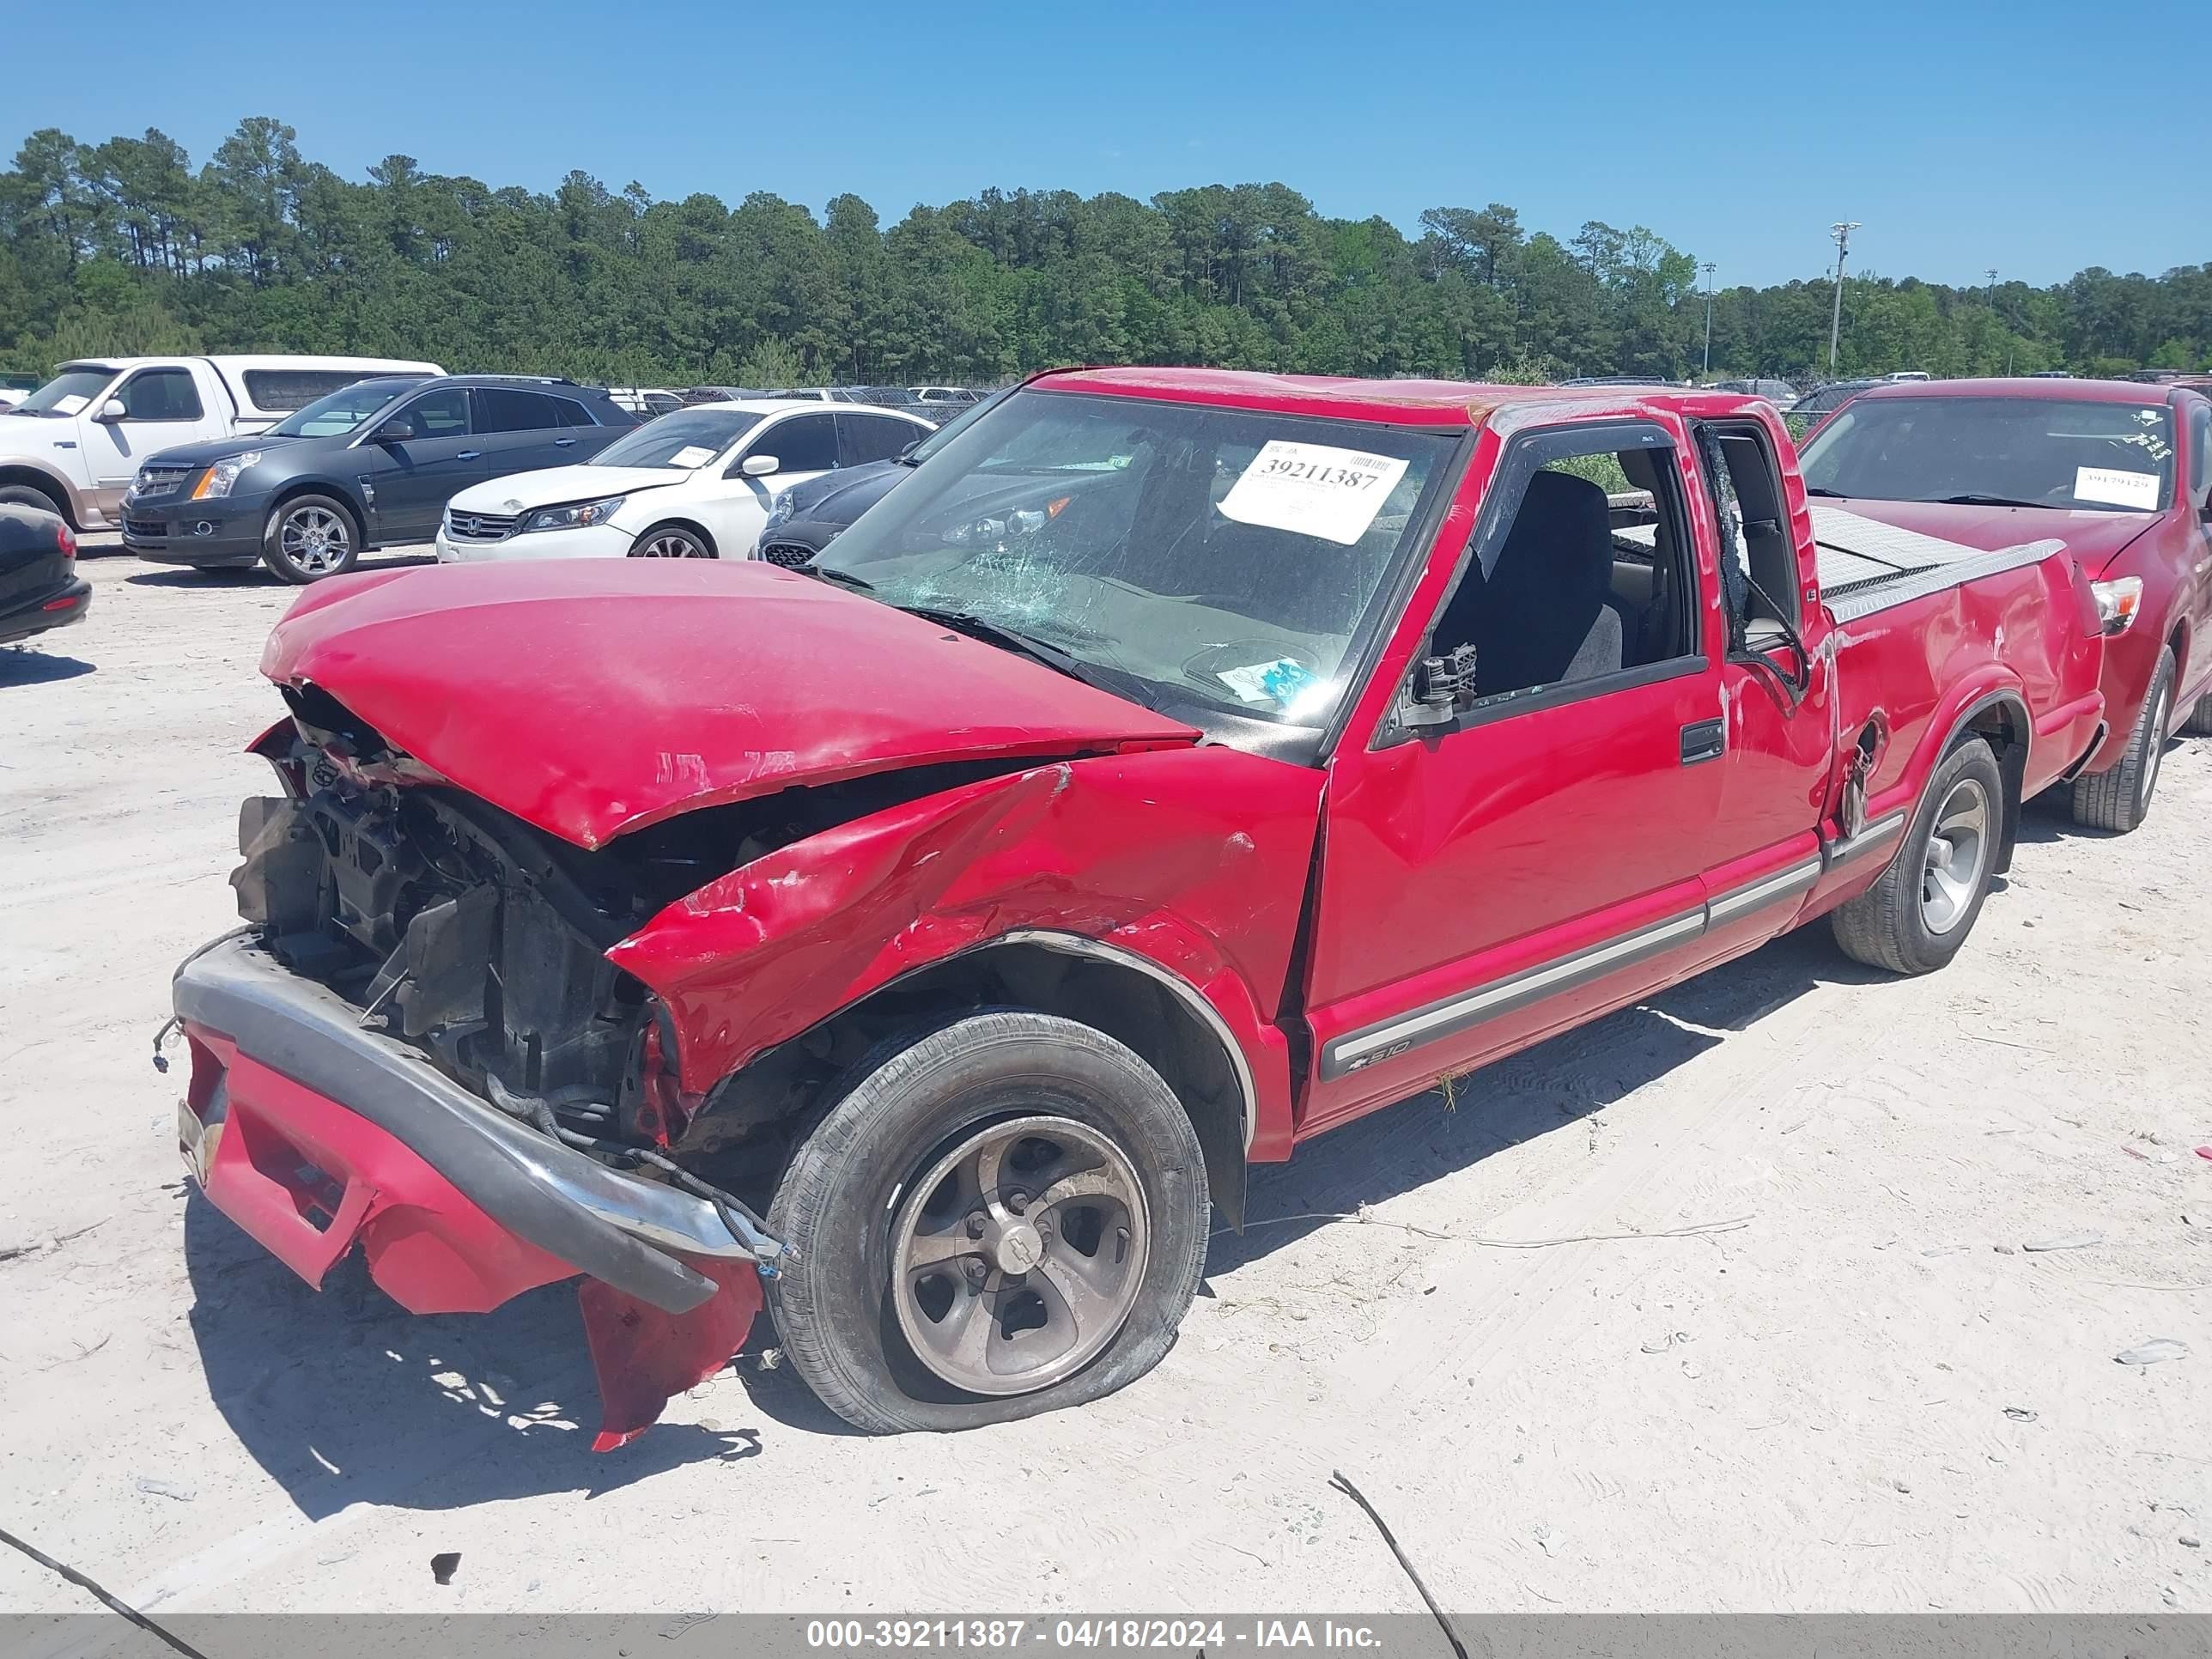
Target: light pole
(1841,230)
(1708,269)
(1993,286)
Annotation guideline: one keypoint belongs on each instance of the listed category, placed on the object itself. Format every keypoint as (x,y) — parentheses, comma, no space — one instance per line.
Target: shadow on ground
(343,1398)
(29,666)
(255,576)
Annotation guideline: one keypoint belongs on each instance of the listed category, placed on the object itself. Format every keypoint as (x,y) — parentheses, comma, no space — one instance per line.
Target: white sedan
(694,484)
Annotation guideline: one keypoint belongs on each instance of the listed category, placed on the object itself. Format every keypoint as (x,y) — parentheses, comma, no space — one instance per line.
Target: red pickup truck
(1179,764)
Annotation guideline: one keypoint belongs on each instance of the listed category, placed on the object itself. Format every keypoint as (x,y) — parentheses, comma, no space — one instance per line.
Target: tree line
(125,247)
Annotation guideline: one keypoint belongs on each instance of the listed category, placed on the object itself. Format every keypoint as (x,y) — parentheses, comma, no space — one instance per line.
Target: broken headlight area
(466,937)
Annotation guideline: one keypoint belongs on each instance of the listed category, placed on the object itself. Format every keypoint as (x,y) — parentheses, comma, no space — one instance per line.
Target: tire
(672,541)
(309,538)
(2118,798)
(1913,921)
(19,495)
(868,1175)
(2199,723)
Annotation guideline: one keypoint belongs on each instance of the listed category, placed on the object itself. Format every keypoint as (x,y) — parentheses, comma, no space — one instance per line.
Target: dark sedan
(807,517)
(39,587)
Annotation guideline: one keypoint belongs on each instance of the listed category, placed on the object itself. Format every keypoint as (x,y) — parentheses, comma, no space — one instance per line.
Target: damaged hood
(589,697)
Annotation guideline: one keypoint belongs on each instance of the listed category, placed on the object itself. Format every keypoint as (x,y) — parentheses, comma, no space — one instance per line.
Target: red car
(1179,764)
(2119,471)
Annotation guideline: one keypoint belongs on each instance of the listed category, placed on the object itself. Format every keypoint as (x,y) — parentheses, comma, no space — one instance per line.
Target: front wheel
(671,541)
(1914,918)
(2118,798)
(1003,1216)
(309,538)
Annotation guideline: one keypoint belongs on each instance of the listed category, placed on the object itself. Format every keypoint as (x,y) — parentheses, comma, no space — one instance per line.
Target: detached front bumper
(313,1134)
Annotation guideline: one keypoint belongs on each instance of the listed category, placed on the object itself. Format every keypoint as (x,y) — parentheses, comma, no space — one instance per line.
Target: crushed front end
(415,1045)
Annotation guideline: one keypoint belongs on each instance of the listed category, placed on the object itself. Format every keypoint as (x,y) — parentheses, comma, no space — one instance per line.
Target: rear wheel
(16,494)
(1003,1216)
(1916,917)
(2118,798)
(309,538)
(2199,724)
(671,541)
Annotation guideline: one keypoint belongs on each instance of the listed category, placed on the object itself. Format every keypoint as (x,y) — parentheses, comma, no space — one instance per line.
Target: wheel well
(692,525)
(2178,642)
(292,492)
(46,485)
(2002,724)
(1124,1002)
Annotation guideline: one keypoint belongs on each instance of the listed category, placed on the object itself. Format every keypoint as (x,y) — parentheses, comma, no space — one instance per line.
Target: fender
(58,485)
(1208,900)
(1990,687)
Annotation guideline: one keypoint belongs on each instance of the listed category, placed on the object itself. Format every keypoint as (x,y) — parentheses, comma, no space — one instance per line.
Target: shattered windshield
(1222,555)
(2019,451)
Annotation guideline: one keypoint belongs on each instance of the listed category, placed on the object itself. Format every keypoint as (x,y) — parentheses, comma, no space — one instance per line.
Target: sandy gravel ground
(1871,1395)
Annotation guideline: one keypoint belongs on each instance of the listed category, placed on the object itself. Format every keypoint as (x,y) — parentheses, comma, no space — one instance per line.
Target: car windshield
(71,390)
(1186,553)
(953,428)
(340,412)
(682,440)
(2026,452)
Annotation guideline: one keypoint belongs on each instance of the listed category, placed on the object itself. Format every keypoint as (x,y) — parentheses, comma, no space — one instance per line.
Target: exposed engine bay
(479,938)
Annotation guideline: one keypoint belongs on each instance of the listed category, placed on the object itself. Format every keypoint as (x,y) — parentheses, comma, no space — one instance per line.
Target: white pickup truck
(73,445)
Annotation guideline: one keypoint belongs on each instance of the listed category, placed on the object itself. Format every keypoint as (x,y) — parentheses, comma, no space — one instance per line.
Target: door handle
(1703,740)
(563,443)
(468,455)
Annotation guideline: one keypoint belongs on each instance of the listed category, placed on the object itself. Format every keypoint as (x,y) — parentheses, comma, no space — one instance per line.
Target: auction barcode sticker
(1312,489)
(2116,485)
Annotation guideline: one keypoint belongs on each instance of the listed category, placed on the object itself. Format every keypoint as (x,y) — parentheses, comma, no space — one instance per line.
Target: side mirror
(759,466)
(112,411)
(1442,687)
(392,432)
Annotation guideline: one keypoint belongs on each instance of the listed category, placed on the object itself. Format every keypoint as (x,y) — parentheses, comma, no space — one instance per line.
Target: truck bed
(1866,566)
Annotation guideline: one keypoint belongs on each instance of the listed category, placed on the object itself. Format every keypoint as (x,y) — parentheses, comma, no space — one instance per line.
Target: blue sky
(2032,136)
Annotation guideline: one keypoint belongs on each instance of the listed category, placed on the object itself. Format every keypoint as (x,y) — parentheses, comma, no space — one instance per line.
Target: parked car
(14,388)
(1825,400)
(2051,374)
(646,403)
(947,394)
(720,394)
(691,485)
(994,901)
(73,445)
(2118,472)
(806,517)
(40,588)
(1780,394)
(1907,376)
(367,467)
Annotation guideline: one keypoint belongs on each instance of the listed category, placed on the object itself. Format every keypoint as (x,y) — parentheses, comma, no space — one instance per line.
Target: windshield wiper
(831,573)
(1971,500)
(1119,682)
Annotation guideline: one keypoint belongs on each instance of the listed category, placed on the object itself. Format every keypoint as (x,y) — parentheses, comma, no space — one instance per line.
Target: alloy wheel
(1957,854)
(1017,1254)
(315,540)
